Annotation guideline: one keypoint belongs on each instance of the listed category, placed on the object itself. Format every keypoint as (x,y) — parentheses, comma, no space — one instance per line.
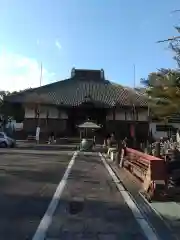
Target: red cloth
(132,130)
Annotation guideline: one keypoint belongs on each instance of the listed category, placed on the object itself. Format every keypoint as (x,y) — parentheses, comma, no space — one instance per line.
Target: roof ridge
(38,88)
(72,93)
(49,84)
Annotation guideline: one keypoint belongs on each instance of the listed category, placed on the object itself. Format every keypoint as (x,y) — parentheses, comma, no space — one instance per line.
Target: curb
(158,215)
(146,226)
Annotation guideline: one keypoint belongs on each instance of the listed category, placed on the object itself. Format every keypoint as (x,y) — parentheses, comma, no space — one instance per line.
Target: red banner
(132,130)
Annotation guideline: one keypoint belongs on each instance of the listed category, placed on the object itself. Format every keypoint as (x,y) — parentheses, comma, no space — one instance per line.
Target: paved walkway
(166,217)
(170,213)
(91,206)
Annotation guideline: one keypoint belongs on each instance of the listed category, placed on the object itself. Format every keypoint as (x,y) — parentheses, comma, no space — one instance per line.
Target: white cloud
(20,72)
(58,45)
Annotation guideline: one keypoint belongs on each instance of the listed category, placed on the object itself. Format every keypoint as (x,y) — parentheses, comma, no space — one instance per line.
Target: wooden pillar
(114,113)
(125,113)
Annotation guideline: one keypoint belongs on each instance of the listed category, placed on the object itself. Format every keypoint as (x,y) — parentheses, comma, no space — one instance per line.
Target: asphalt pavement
(64,195)
(28,180)
(92,207)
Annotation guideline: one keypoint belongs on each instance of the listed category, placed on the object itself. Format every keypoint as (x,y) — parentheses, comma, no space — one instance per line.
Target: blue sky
(93,34)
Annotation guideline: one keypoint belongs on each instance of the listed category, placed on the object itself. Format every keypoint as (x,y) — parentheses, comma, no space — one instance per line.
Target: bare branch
(175,11)
(169,39)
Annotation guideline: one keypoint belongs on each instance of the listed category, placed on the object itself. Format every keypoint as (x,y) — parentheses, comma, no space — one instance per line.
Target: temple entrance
(84,113)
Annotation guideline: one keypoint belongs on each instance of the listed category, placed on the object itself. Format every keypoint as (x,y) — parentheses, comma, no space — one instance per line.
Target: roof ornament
(73,73)
(102,74)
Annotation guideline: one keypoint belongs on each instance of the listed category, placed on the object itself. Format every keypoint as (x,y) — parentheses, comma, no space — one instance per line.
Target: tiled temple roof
(83,86)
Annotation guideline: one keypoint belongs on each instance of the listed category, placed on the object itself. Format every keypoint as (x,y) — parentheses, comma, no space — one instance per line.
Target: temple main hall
(86,95)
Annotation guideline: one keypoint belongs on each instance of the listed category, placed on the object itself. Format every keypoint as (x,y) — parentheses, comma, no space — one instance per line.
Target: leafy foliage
(163,86)
(163,89)
(175,46)
(10,110)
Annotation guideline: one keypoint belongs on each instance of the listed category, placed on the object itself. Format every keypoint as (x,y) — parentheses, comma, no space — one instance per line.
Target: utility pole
(38,108)
(40,82)
(134,107)
(40,79)
(149,129)
(38,102)
(134,75)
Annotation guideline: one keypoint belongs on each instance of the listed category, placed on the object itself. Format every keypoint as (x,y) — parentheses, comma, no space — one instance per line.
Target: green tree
(163,86)
(163,90)
(8,109)
(3,94)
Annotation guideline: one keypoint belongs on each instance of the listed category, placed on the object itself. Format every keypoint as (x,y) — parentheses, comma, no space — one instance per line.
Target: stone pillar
(157,149)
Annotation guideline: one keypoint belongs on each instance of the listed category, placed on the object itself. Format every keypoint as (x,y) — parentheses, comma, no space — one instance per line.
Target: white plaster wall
(109,115)
(143,116)
(19,126)
(15,125)
(63,115)
(29,112)
(53,112)
(129,116)
(120,115)
(159,134)
(43,112)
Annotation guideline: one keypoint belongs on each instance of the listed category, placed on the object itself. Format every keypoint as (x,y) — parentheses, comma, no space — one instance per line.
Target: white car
(6,141)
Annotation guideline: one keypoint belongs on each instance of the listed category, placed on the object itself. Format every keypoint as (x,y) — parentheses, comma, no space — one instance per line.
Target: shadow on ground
(49,147)
(19,220)
(27,185)
(133,186)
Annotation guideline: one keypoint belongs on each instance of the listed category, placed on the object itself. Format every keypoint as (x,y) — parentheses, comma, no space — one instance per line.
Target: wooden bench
(137,168)
(149,169)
